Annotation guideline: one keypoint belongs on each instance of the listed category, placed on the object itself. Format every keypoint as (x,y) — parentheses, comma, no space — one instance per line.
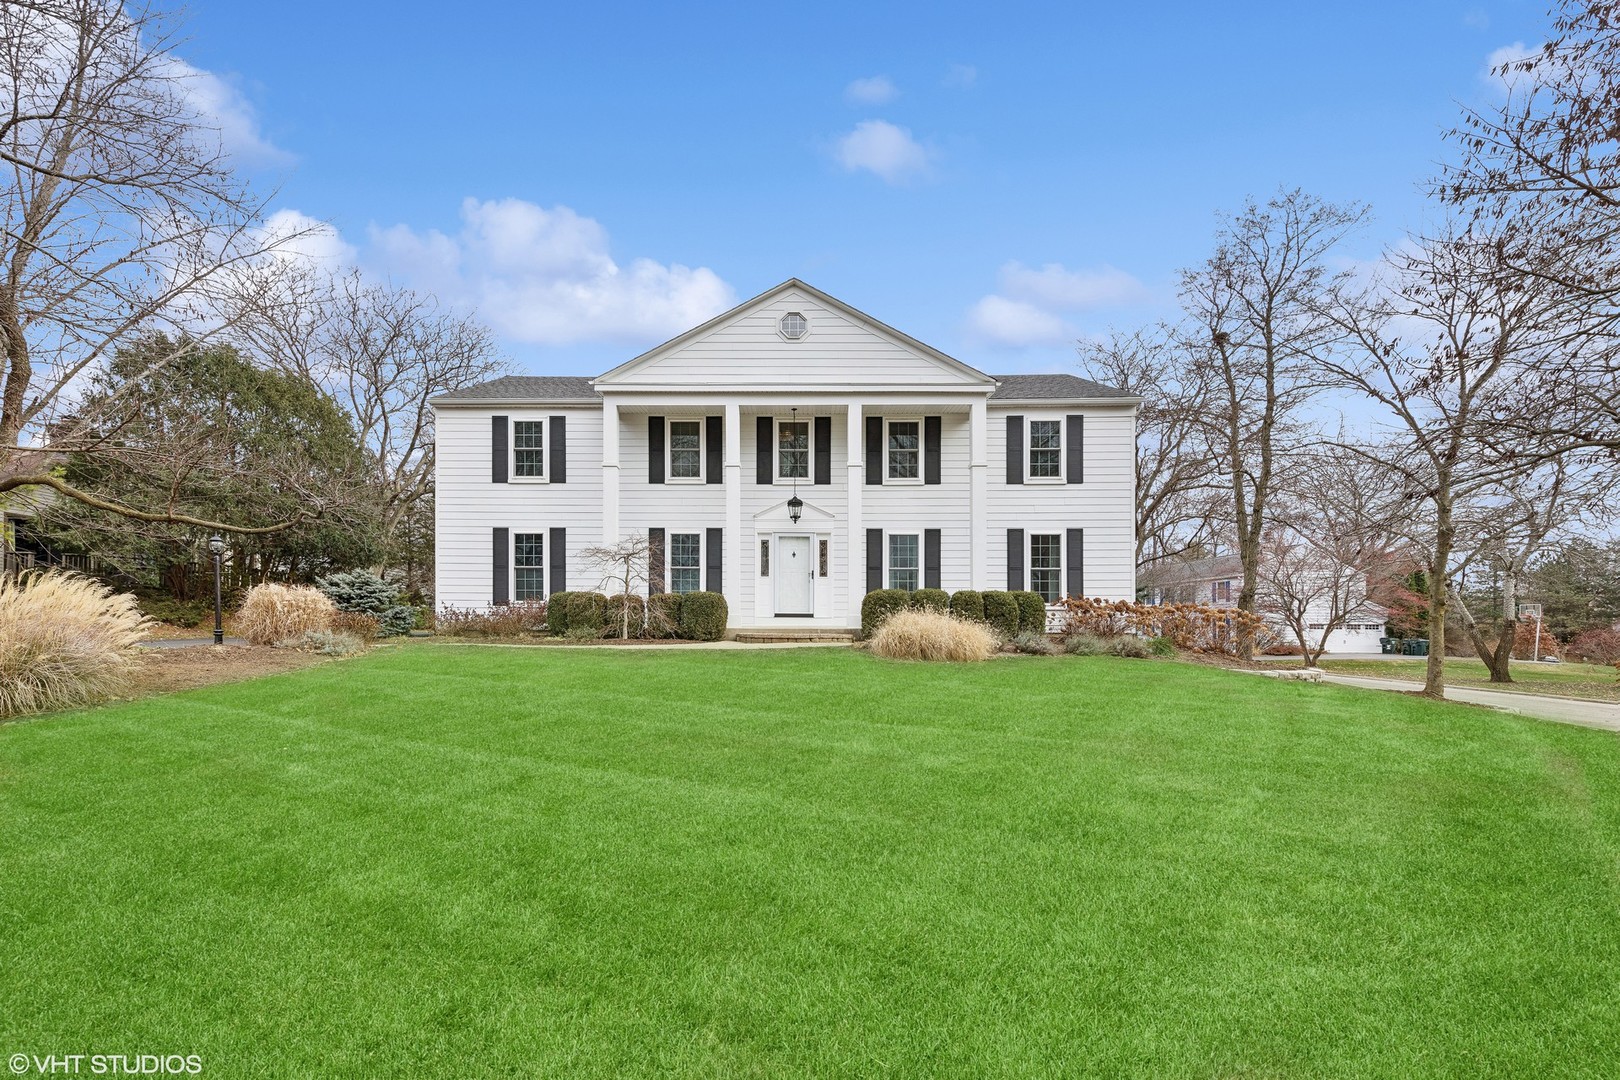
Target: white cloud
(1476,19)
(877,90)
(222,108)
(961,76)
(1002,321)
(546,276)
(1501,80)
(883,148)
(1029,304)
(296,235)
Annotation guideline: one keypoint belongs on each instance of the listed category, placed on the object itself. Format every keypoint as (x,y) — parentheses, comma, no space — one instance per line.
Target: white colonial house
(793,454)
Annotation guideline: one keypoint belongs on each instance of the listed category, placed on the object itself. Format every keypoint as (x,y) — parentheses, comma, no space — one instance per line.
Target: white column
(854,554)
(610,474)
(734,540)
(979,491)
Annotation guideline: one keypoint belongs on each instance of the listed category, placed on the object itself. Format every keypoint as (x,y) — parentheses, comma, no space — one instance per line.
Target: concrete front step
(773,635)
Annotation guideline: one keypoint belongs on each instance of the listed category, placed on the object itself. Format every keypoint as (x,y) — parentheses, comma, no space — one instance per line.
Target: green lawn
(453,861)
(1589,681)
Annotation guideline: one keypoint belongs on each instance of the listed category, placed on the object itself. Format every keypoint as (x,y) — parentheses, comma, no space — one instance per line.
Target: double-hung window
(528,448)
(528,566)
(904,450)
(686,450)
(904,561)
(793,450)
(685,567)
(1046,449)
(1046,566)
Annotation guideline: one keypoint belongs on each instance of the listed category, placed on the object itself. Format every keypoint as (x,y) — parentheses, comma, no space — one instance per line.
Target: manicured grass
(453,861)
(1590,681)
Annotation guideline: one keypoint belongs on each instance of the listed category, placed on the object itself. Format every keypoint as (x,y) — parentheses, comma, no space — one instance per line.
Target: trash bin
(1387,645)
(1417,647)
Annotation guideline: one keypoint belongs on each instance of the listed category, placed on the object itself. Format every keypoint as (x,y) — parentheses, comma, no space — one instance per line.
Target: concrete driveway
(1597,714)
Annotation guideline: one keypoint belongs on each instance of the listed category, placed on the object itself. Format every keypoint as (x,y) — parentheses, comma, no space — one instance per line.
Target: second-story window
(1045,449)
(528,448)
(686,450)
(793,450)
(905,450)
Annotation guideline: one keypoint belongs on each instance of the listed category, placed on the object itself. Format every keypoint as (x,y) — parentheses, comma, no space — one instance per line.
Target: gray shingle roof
(540,389)
(1054,387)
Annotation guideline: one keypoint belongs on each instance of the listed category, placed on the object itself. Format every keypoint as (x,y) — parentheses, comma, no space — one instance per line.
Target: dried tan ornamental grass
(272,613)
(920,634)
(65,641)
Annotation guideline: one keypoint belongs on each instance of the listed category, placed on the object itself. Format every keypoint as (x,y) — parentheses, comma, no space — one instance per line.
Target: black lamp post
(217,546)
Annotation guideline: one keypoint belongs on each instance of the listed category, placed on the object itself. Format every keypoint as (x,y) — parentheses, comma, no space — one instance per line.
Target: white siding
(469,506)
(838,353)
(1104,505)
(913,508)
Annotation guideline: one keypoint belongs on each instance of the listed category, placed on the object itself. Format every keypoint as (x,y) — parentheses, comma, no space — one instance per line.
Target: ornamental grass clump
(920,634)
(273,613)
(65,641)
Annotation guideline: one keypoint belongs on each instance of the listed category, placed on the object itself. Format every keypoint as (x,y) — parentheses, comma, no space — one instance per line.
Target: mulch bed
(166,670)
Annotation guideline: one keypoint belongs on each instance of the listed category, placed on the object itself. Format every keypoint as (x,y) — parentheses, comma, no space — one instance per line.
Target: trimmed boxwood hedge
(557,612)
(1031,612)
(1001,612)
(968,604)
(931,600)
(703,616)
(663,615)
(878,605)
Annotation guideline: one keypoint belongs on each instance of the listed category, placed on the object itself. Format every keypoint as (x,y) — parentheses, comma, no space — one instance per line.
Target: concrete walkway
(1596,714)
(678,646)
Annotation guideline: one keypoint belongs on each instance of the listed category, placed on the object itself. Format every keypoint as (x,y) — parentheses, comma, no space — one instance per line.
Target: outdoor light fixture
(796,504)
(217,546)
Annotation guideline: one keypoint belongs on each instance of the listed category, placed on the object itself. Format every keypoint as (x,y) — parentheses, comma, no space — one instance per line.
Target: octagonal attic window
(794,326)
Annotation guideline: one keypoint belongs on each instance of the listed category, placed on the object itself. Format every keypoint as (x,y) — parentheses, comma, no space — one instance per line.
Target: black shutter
(497,449)
(823,450)
(1075,541)
(655,449)
(930,558)
(764,432)
(655,560)
(1015,449)
(1015,559)
(874,449)
(502,591)
(713,541)
(558,542)
(1076,449)
(559,449)
(931,435)
(714,447)
(874,559)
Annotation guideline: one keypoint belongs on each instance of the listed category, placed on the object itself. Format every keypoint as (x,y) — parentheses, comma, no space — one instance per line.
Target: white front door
(795,576)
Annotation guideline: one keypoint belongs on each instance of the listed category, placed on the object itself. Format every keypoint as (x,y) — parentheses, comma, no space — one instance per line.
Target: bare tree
(1505,528)
(383,353)
(1176,476)
(1334,524)
(1546,161)
(121,215)
(1442,347)
(625,565)
(1254,315)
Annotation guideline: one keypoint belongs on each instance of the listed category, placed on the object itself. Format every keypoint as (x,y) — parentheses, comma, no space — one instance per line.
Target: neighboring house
(18,509)
(1218,580)
(914,470)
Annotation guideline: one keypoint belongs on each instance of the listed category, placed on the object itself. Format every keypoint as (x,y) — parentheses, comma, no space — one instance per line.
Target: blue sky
(993,179)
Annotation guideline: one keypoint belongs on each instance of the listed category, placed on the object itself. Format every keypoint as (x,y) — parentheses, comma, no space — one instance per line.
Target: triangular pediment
(749,347)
